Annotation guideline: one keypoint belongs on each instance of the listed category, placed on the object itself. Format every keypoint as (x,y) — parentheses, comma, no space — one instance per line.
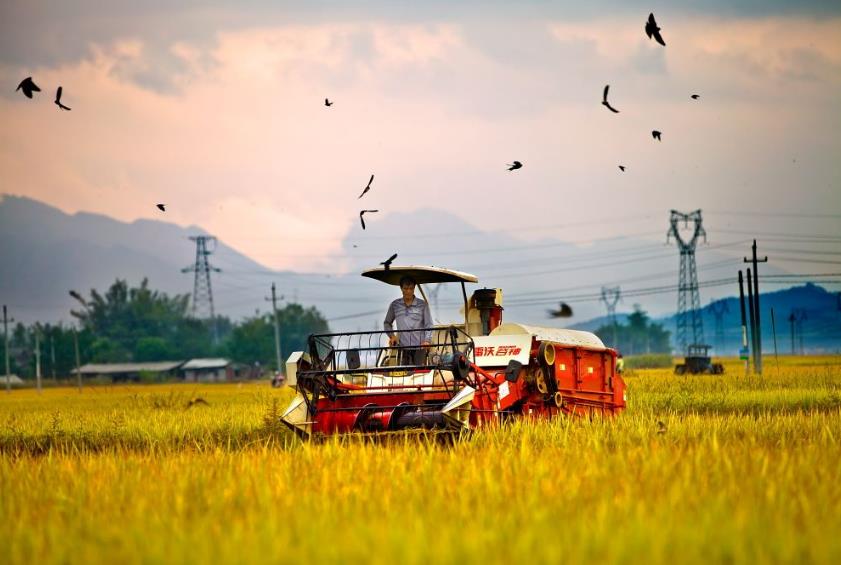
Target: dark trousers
(413,356)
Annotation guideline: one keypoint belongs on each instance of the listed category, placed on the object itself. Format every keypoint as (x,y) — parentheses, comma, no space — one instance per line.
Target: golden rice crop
(696,469)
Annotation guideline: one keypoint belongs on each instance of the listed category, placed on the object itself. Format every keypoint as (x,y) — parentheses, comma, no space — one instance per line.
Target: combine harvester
(475,374)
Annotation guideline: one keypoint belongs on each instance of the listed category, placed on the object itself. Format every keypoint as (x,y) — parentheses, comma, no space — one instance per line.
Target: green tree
(638,336)
(142,324)
(252,341)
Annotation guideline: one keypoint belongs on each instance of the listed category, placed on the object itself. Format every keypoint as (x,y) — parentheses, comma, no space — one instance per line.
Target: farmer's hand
(392,340)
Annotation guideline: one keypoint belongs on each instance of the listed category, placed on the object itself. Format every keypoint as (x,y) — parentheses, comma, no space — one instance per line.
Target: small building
(158,370)
(208,370)
(218,370)
(11,379)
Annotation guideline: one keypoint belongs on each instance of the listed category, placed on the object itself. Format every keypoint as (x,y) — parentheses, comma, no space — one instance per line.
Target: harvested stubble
(697,469)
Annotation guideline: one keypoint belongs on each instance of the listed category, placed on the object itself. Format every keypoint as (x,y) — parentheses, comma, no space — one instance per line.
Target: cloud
(233,135)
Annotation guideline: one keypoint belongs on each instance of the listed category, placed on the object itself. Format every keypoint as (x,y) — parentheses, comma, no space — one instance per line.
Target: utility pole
(791,320)
(690,326)
(202,291)
(433,294)
(52,356)
(277,352)
(6,341)
(78,364)
(754,260)
(752,317)
(38,358)
(774,329)
(743,353)
(610,297)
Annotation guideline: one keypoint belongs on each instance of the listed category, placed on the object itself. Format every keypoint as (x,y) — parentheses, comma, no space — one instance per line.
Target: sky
(216,109)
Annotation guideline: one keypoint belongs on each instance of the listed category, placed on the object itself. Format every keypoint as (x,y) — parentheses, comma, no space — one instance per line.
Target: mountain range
(45,253)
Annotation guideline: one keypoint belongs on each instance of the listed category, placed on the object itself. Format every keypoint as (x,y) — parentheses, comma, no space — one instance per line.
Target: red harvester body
(475,374)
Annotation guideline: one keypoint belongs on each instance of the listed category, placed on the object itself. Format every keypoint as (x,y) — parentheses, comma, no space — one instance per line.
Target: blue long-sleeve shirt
(412,317)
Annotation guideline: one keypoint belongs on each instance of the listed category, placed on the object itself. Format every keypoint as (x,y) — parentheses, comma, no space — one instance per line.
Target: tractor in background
(699,362)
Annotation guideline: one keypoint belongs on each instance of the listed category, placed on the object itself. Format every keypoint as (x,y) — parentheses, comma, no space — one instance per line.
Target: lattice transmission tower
(202,290)
(690,327)
(610,296)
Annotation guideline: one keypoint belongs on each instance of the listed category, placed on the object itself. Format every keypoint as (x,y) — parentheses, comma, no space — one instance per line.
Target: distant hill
(45,253)
(821,327)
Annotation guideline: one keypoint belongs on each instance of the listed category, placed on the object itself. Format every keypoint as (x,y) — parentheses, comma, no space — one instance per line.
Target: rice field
(697,469)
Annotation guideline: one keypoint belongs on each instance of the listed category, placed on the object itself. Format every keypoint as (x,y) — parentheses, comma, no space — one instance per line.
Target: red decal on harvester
(501,351)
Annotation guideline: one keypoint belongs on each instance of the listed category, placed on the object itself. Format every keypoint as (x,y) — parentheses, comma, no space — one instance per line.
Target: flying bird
(652,30)
(656,135)
(327,102)
(605,103)
(58,99)
(515,165)
(28,87)
(367,188)
(622,168)
(387,262)
(564,311)
(161,207)
(695,96)
(361,219)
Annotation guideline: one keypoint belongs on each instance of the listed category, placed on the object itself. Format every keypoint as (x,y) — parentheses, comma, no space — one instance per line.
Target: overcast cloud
(217,109)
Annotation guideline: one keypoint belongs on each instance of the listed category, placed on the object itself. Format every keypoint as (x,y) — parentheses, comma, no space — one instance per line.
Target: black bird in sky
(656,135)
(58,99)
(387,262)
(361,219)
(564,311)
(695,96)
(515,165)
(28,87)
(622,168)
(652,30)
(367,188)
(161,207)
(605,103)
(327,102)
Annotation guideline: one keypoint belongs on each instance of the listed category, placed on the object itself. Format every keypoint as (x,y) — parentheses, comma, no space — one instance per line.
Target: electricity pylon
(689,323)
(719,308)
(202,291)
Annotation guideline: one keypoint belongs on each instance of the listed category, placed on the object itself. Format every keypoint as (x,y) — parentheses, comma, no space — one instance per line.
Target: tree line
(638,336)
(136,324)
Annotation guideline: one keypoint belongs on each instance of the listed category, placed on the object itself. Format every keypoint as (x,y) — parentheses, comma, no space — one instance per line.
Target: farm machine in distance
(470,375)
(698,362)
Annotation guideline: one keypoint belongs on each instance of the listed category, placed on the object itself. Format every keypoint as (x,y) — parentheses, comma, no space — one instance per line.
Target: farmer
(410,313)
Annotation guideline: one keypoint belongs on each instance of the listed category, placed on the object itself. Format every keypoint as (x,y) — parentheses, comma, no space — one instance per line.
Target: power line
(816,237)
(772,214)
